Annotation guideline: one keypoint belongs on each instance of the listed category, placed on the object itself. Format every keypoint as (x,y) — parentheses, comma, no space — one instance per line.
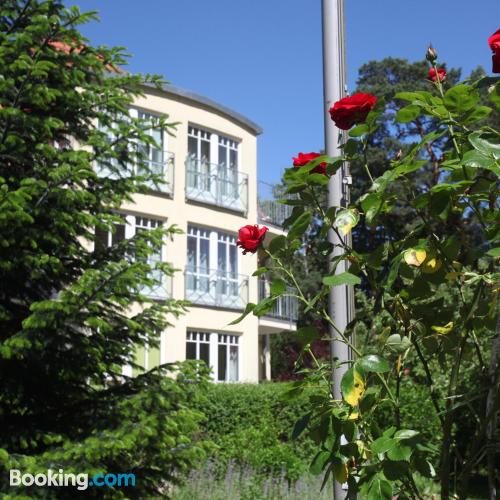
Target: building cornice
(209,104)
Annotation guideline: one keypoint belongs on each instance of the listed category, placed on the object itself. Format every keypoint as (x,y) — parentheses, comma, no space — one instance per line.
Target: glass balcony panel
(216,185)
(161,290)
(216,288)
(285,307)
(269,210)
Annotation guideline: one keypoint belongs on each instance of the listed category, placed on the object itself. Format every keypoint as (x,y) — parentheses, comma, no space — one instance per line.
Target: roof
(212,105)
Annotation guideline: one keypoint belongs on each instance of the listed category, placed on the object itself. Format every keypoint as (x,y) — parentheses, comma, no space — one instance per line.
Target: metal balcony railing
(164,169)
(162,290)
(216,185)
(213,287)
(269,211)
(285,308)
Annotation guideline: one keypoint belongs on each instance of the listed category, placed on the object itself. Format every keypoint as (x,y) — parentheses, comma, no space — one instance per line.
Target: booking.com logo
(60,479)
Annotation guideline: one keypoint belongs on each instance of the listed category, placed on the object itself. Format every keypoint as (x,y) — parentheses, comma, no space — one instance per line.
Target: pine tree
(72,312)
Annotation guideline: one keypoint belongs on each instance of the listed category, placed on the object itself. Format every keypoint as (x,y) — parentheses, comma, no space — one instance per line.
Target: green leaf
(318,179)
(350,430)
(359,130)
(379,489)
(319,462)
(296,213)
(405,434)
(383,444)
(306,335)
(278,287)
(477,114)
(400,452)
(394,470)
(344,278)
(264,306)
(299,227)
(296,188)
(371,205)
(407,96)
(352,386)
(373,363)
(476,159)
(393,270)
(397,343)
(424,467)
(248,309)
(494,252)
(260,271)
(461,98)
(408,113)
(486,144)
(300,425)
(346,219)
(277,244)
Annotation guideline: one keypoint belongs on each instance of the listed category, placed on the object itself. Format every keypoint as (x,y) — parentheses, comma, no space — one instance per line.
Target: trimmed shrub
(251,426)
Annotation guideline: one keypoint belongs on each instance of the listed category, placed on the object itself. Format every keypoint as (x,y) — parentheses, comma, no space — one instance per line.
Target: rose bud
(303,159)
(494,43)
(431,54)
(351,110)
(250,237)
(441,74)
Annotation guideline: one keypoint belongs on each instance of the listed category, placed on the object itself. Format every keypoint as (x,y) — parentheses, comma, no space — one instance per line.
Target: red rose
(303,159)
(494,43)
(353,109)
(250,237)
(441,74)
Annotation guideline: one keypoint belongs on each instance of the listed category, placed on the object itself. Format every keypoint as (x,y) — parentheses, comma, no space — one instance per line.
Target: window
(198,258)
(227,353)
(228,167)
(212,268)
(218,351)
(106,239)
(131,226)
(198,346)
(154,155)
(124,163)
(212,174)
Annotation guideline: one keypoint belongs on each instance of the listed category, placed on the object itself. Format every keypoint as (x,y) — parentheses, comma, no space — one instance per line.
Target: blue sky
(263,57)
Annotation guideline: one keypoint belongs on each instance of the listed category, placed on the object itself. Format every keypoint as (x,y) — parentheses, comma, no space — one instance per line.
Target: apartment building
(210,169)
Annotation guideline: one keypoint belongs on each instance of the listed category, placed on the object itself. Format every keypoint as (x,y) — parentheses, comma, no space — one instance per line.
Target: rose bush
(410,277)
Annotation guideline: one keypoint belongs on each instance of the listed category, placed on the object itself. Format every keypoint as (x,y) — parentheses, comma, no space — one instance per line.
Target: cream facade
(210,170)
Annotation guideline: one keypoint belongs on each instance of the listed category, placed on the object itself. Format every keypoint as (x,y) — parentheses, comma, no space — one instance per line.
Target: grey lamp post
(341,297)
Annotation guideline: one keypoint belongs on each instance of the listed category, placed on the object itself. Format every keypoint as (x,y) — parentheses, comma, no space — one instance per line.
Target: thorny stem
(365,160)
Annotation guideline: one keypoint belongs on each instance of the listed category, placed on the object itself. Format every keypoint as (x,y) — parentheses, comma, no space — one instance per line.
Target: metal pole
(341,297)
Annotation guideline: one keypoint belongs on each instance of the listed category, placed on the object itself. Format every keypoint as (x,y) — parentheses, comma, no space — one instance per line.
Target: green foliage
(423,252)
(252,426)
(67,325)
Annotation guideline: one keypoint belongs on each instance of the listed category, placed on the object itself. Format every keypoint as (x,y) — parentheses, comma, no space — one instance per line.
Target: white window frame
(214,339)
(217,178)
(130,221)
(214,275)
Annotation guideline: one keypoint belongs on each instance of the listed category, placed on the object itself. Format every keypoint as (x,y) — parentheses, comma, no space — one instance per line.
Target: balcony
(216,185)
(162,290)
(217,288)
(269,210)
(164,169)
(285,308)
